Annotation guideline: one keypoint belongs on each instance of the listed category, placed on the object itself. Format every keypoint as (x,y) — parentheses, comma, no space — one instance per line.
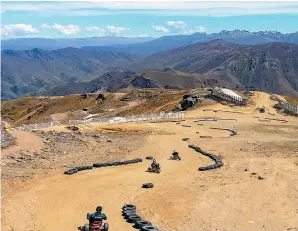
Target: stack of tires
(130,215)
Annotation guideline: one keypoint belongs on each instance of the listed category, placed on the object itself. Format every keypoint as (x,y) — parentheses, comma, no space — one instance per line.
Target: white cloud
(166,5)
(199,8)
(137,36)
(94,28)
(116,29)
(18,30)
(195,29)
(169,8)
(177,24)
(66,30)
(45,26)
(160,28)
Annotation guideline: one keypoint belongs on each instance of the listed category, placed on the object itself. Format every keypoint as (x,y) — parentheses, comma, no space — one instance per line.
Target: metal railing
(288,107)
(112,120)
(128,119)
(229,98)
(27,127)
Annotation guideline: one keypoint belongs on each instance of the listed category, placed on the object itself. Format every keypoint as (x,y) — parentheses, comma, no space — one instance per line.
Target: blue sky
(142,19)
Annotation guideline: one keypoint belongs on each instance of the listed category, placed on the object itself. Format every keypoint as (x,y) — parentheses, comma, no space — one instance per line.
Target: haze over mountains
(25,72)
(53,44)
(265,60)
(148,46)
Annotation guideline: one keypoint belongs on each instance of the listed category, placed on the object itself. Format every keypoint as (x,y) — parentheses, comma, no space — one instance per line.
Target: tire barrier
(101,165)
(149,158)
(206,119)
(213,119)
(172,121)
(233,132)
(185,139)
(235,112)
(216,159)
(283,121)
(148,185)
(140,224)
(130,215)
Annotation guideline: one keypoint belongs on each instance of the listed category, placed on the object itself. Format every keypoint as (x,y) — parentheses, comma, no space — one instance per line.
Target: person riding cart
(154,164)
(175,156)
(155,167)
(96,221)
(97,216)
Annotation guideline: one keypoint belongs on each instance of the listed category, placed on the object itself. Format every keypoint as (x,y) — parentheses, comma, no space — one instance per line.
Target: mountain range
(54,44)
(147,46)
(29,72)
(269,66)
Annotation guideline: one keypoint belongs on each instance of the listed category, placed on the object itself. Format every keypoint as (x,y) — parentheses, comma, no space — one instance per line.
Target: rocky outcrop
(142,82)
(187,102)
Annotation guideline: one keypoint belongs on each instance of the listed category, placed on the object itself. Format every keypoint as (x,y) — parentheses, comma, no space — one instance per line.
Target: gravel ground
(63,150)
(6,139)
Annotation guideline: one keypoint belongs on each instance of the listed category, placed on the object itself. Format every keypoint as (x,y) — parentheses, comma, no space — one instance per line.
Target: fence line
(112,120)
(288,107)
(27,127)
(229,98)
(128,119)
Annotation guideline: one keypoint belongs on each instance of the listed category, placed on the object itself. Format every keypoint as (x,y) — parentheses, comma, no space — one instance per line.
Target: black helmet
(98,209)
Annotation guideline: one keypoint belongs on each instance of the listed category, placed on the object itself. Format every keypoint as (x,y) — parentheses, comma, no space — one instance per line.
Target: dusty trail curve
(182,197)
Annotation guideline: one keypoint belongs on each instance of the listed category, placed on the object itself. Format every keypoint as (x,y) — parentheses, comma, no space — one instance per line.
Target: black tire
(86,228)
(125,210)
(105,226)
(185,139)
(219,164)
(148,185)
(129,214)
(148,228)
(141,223)
(202,168)
(215,166)
(149,158)
(68,172)
(74,170)
(134,219)
(89,167)
(97,165)
(208,167)
(129,206)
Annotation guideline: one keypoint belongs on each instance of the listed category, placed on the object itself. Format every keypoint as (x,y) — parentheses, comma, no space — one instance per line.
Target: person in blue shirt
(97,216)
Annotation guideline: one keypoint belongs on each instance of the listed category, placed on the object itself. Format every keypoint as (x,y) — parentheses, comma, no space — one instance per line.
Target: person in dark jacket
(97,216)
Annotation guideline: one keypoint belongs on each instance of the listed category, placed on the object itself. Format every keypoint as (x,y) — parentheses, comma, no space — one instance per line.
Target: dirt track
(229,198)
